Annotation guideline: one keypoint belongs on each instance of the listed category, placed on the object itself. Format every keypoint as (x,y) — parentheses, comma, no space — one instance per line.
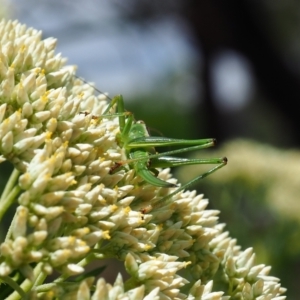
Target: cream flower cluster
(71,210)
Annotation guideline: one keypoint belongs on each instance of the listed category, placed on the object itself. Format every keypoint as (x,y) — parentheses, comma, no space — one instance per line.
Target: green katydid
(139,147)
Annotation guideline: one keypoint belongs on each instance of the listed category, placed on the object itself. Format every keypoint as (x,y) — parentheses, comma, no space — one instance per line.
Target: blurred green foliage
(162,115)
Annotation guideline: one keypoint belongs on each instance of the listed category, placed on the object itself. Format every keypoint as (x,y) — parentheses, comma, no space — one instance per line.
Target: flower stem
(14,286)
(7,202)
(27,284)
(10,192)
(10,184)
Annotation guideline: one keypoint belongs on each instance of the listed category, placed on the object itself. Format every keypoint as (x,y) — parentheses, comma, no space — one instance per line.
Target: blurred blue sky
(121,58)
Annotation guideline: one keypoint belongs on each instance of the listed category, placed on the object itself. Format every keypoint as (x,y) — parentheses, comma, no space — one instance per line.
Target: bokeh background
(203,68)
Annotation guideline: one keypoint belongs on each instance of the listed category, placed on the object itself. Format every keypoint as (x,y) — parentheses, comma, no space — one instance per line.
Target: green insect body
(139,147)
(140,153)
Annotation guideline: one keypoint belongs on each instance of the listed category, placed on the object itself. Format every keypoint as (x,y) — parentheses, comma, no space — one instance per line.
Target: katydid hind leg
(170,161)
(154,141)
(190,183)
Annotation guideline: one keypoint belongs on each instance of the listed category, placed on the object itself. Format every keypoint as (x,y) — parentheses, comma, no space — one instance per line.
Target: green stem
(40,279)
(82,263)
(10,192)
(45,287)
(10,183)
(40,276)
(14,286)
(27,284)
(9,231)
(6,202)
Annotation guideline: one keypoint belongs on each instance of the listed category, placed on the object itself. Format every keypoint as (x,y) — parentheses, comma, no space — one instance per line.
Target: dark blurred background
(194,69)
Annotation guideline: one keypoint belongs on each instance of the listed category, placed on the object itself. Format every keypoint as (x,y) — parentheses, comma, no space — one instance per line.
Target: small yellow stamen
(106,235)
(127,210)
(48,135)
(23,48)
(113,208)
(147,247)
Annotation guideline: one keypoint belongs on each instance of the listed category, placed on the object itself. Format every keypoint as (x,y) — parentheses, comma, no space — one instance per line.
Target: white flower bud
(19,226)
(257,288)
(7,84)
(72,270)
(101,292)
(7,143)
(60,257)
(9,123)
(2,108)
(83,291)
